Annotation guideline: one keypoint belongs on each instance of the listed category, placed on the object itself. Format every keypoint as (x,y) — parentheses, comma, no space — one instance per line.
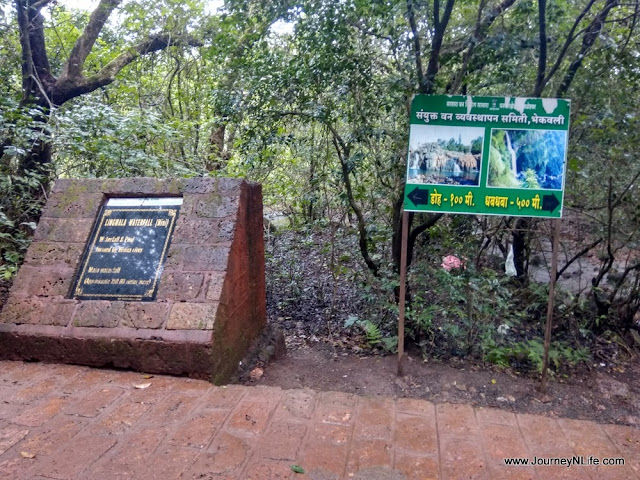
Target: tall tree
(44,88)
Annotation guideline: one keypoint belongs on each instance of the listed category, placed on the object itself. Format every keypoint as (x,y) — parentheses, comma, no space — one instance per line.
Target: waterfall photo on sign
(527,158)
(445,155)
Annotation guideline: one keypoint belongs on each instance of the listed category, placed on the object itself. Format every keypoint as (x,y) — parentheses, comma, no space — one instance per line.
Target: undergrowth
(472,312)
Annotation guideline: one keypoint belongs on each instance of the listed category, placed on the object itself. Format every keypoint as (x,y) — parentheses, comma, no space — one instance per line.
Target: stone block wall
(211,298)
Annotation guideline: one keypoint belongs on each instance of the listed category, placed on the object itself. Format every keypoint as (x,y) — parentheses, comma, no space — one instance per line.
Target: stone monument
(161,276)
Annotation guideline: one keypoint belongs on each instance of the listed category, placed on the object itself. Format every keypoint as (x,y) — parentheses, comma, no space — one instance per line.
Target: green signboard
(487,155)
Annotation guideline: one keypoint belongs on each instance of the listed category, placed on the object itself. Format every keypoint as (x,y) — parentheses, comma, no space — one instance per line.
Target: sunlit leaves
(93,140)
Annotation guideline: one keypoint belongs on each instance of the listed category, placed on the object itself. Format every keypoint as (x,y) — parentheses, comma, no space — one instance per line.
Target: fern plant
(373,333)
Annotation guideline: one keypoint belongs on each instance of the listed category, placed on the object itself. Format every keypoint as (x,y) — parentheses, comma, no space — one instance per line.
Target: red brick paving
(79,423)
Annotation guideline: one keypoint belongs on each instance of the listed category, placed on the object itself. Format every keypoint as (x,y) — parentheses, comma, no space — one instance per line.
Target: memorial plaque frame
(122,239)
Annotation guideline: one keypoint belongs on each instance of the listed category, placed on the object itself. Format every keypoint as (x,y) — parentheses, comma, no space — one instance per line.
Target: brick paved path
(82,423)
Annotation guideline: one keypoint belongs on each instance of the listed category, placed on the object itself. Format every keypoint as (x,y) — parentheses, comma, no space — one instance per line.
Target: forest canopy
(311,98)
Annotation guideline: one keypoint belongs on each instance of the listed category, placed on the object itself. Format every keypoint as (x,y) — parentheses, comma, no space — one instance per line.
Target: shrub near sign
(487,155)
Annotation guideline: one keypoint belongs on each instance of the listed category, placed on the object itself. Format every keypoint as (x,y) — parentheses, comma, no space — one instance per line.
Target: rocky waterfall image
(445,155)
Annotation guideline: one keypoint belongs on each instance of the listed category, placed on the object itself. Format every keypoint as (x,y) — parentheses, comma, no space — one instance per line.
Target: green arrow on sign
(550,203)
(419,196)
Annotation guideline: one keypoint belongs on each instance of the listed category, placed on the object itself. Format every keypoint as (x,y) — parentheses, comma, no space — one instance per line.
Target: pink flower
(451,262)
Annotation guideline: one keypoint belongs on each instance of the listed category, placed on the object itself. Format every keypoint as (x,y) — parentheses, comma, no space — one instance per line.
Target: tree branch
(363,241)
(623,276)
(589,38)
(542,56)
(494,14)
(39,57)
(568,42)
(417,51)
(432,219)
(39,5)
(626,189)
(457,82)
(636,11)
(81,49)
(70,87)
(25,44)
(457,47)
(577,256)
(436,45)
(369,31)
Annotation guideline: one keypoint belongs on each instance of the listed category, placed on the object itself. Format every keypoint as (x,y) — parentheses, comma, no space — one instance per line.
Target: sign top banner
(487,155)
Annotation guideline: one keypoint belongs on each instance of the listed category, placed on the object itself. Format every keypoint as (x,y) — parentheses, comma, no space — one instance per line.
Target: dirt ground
(601,395)
(311,310)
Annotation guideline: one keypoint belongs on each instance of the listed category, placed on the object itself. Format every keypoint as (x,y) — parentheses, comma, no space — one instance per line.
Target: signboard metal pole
(552,291)
(403,289)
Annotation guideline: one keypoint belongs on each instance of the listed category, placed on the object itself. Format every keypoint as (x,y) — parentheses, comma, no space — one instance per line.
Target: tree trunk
(521,247)
(215,159)
(363,241)
(42,90)
(414,233)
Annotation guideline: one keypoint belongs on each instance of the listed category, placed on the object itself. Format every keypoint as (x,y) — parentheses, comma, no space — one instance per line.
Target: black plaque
(126,252)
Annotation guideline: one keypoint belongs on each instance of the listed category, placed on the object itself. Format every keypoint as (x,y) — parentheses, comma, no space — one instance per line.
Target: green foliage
(20,128)
(450,310)
(530,354)
(372,332)
(501,172)
(530,179)
(18,209)
(460,306)
(497,168)
(476,146)
(390,344)
(21,193)
(94,140)
(456,146)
